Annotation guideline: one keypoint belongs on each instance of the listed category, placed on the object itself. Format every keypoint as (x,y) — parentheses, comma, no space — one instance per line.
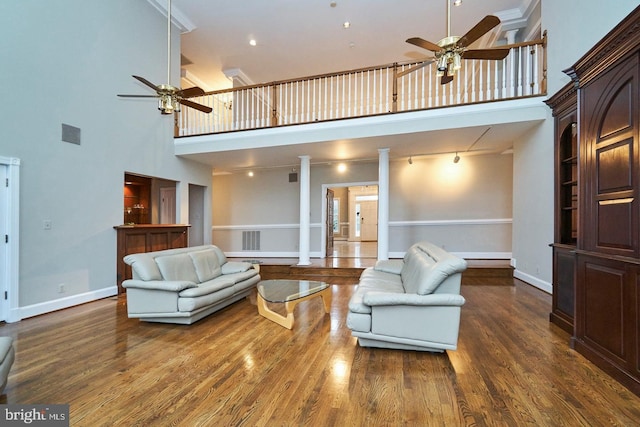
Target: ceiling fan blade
(415,68)
(198,107)
(191,92)
(146,82)
(417,41)
(485,25)
(138,96)
(485,54)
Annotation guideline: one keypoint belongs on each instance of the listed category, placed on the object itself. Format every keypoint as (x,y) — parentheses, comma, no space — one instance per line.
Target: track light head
(410,160)
(456,159)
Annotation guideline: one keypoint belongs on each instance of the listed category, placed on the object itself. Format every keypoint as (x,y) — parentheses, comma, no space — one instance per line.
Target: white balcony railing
(369,91)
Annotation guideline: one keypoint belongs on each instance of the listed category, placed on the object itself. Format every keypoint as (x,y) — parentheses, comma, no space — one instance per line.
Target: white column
(383,203)
(305,211)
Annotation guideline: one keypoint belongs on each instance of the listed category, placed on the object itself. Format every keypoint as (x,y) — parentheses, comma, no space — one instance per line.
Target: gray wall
(64,62)
(455,206)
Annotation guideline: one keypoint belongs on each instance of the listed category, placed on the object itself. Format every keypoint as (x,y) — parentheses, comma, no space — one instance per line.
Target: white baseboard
(59,304)
(533,281)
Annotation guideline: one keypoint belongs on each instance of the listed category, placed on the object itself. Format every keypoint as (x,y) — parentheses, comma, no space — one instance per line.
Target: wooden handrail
(390,88)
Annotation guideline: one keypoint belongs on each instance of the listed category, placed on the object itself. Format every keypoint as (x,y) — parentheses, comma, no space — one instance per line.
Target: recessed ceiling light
(333,4)
(457,2)
(252,42)
(346,24)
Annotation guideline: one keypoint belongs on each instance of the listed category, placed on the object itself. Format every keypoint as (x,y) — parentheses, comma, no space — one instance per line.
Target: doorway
(350,223)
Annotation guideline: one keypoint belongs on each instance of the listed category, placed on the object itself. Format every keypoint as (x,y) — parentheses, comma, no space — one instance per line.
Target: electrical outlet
(46,224)
(61,288)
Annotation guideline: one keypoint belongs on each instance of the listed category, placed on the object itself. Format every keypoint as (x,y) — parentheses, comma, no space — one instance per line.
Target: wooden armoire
(597,236)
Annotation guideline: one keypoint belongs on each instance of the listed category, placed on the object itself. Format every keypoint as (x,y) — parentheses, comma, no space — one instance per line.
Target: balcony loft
(394,99)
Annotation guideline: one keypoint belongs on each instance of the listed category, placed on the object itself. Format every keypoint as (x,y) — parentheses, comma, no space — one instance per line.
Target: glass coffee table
(290,292)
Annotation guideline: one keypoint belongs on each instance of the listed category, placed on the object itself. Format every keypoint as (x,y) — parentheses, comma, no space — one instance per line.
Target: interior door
(329,224)
(167,205)
(369,221)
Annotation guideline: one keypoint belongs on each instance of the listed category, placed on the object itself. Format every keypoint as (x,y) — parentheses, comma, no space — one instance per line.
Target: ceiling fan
(170,97)
(450,51)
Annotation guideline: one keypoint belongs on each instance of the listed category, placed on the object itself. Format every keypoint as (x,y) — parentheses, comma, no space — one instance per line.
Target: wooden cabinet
(606,326)
(134,239)
(564,107)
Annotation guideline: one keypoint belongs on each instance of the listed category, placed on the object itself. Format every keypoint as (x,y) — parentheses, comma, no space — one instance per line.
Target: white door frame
(9,261)
(323,209)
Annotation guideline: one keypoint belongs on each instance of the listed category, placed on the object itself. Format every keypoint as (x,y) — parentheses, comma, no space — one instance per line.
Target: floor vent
(251,240)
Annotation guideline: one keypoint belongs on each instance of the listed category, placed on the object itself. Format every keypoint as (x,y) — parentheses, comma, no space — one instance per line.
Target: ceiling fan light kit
(170,97)
(450,51)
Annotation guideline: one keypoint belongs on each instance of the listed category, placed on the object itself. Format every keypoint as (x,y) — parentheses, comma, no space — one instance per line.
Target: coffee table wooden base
(287,321)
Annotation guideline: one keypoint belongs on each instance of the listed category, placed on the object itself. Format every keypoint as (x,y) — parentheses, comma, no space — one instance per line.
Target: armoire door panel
(618,116)
(614,165)
(603,309)
(615,219)
(563,288)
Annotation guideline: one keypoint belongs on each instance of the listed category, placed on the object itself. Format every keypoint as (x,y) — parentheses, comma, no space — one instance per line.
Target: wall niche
(137,199)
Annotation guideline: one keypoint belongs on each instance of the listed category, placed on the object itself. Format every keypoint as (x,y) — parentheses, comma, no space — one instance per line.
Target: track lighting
(410,160)
(456,159)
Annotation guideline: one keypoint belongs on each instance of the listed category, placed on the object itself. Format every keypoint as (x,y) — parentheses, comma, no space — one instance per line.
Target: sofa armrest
(374,298)
(160,285)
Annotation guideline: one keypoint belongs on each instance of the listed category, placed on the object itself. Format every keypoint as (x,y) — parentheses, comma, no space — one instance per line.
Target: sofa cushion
(209,287)
(393,266)
(143,267)
(235,267)
(206,264)
(190,304)
(177,267)
(416,264)
(222,258)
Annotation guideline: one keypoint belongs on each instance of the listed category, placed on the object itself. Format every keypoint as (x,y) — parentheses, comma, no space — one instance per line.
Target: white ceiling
(301,38)
(297,38)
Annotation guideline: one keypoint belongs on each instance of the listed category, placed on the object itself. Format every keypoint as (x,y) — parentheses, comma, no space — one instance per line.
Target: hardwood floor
(512,368)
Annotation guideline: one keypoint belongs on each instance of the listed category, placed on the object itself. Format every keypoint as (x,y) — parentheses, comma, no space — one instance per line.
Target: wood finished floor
(512,368)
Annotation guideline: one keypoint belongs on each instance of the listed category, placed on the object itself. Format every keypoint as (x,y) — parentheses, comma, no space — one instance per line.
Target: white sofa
(411,303)
(184,285)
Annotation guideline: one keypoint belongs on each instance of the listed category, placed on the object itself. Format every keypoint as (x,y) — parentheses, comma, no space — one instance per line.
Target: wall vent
(251,240)
(70,134)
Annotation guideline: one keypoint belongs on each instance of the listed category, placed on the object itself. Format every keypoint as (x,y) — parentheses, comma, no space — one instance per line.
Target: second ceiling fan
(450,51)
